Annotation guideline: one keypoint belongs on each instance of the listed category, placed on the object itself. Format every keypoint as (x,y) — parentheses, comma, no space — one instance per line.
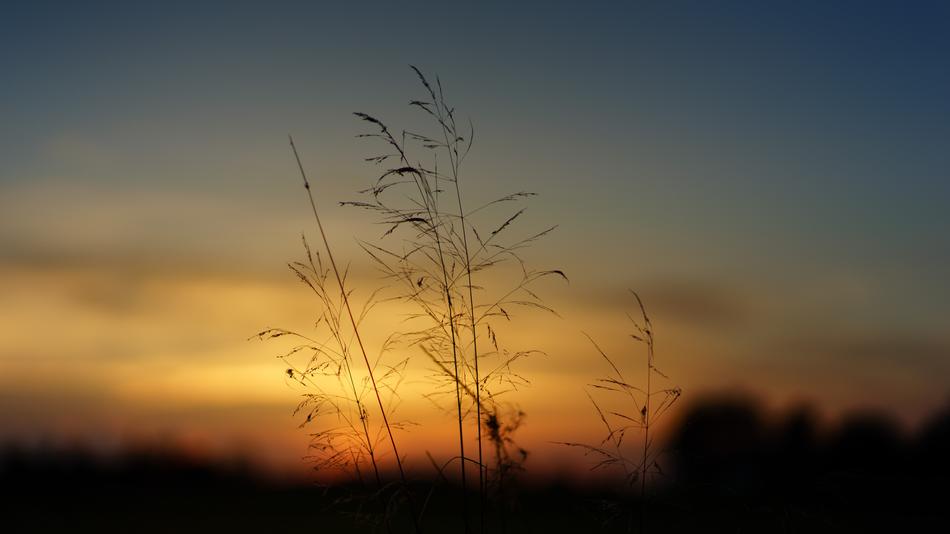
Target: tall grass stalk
(436,270)
(359,339)
(450,137)
(646,337)
(427,214)
(646,412)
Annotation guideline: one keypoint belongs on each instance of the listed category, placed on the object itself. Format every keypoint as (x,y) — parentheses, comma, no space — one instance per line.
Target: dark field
(730,469)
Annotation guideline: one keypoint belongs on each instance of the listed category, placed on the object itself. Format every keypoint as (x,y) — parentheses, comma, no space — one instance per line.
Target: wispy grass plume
(346,444)
(451,274)
(624,407)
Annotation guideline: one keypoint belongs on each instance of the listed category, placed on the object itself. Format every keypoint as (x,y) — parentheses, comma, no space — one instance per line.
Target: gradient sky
(772,179)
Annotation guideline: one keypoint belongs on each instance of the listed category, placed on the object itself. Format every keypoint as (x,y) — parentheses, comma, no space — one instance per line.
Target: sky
(771,179)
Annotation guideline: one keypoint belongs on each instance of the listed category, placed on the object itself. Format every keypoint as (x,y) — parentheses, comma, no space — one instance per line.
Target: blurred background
(771,179)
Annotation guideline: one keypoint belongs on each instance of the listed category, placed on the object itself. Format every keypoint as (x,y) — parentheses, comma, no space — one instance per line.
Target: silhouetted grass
(340,446)
(451,274)
(454,267)
(638,412)
(443,267)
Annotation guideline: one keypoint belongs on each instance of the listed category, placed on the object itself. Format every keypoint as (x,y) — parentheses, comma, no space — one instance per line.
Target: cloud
(688,301)
(921,353)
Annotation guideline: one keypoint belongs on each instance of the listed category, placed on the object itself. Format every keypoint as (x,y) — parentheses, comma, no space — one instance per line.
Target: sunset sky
(772,180)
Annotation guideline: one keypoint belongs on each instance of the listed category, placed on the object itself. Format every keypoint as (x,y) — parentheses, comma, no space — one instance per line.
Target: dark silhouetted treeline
(731,467)
(740,469)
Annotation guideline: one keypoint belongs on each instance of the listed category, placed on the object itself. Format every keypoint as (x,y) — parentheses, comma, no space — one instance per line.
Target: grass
(445,268)
(637,411)
(462,273)
(340,447)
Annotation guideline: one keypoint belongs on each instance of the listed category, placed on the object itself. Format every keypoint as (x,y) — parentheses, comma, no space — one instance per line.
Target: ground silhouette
(732,466)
